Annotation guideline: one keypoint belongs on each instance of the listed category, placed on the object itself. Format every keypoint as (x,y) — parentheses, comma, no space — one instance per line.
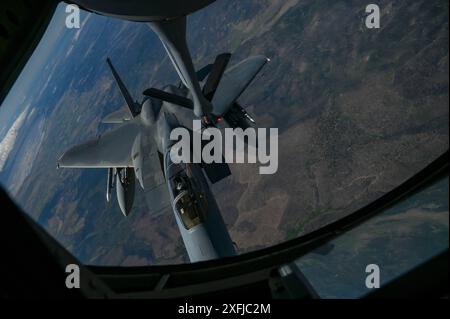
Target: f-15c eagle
(139,148)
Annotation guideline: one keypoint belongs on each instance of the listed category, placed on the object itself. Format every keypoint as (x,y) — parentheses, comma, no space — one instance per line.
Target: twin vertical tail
(213,74)
(221,87)
(132,105)
(217,71)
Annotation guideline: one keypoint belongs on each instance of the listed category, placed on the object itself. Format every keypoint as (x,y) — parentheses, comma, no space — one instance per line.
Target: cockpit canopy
(189,201)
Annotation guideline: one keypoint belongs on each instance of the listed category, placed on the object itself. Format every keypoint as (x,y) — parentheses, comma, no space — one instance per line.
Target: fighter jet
(139,149)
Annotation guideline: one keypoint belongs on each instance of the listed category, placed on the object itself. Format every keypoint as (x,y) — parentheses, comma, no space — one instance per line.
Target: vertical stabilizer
(134,108)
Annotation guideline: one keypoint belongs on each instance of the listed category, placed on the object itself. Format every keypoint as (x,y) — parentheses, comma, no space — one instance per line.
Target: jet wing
(112,149)
(234,82)
(120,116)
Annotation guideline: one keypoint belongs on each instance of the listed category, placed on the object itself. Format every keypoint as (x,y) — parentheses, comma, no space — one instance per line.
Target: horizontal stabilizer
(169,97)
